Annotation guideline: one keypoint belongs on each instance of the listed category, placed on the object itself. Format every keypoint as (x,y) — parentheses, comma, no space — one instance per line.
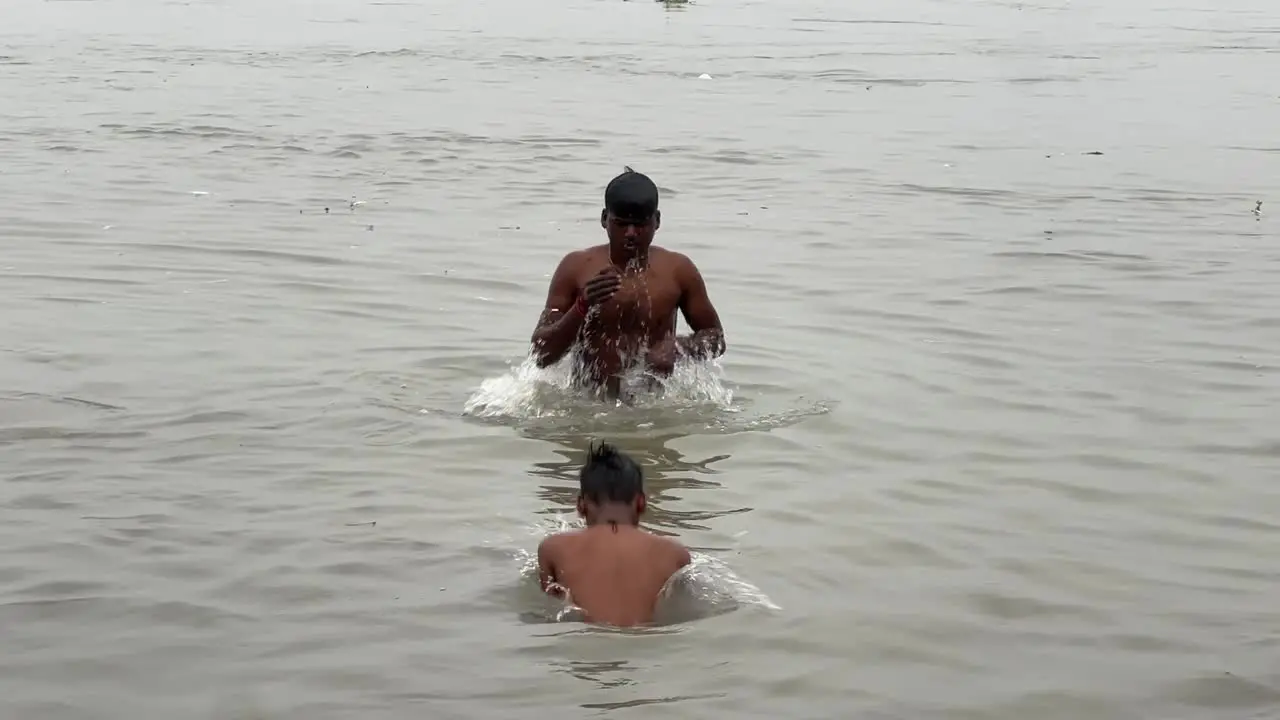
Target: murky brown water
(1003,432)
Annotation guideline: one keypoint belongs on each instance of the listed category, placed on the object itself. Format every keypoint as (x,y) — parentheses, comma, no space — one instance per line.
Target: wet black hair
(632,196)
(609,475)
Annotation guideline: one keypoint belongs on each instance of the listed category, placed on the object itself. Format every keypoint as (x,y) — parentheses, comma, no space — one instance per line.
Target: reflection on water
(649,701)
(666,473)
(605,673)
(611,673)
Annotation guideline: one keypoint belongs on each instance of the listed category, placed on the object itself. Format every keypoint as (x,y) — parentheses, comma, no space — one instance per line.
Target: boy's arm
(559,323)
(547,568)
(707,339)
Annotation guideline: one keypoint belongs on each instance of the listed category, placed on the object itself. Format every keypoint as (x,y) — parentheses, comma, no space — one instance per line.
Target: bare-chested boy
(615,305)
(612,569)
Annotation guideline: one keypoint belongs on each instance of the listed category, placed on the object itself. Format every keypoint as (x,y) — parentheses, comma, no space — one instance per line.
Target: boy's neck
(618,516)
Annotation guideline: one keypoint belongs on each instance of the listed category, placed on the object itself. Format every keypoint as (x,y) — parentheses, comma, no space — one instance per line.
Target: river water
(996,435)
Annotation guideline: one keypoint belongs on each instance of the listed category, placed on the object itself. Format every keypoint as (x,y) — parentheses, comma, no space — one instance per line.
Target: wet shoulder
(666,257)
(668,548)
(550,545)
(588,261)
(670,262)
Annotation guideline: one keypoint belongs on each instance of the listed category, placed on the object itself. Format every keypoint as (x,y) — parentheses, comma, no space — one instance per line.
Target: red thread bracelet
(581,305)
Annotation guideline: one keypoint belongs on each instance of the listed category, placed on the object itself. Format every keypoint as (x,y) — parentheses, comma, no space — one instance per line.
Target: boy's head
(610,484)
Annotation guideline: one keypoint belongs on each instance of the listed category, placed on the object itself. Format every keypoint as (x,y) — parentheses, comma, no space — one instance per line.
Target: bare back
(614,573)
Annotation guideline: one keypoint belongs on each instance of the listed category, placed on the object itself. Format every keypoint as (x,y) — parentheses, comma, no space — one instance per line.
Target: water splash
(529,392)
(704,588)
(694,399)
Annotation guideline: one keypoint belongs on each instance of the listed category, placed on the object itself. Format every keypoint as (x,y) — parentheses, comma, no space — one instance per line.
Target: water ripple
(996,417)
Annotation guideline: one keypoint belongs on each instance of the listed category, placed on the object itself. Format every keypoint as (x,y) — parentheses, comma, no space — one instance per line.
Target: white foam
(527,391)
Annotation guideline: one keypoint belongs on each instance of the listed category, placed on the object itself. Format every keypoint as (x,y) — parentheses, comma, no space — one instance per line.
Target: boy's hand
(601,287)
(703,344)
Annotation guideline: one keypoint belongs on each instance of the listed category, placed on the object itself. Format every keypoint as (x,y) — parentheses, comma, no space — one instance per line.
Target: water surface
(999,438)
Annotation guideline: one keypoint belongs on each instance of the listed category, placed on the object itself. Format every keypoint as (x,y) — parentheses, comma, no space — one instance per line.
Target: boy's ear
(604,218)
(641,503)
(582,506)
(657,219)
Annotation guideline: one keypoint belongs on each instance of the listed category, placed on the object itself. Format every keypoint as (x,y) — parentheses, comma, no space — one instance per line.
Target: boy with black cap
(616,303)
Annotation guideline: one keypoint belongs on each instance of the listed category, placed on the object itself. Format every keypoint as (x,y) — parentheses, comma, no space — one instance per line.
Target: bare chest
(644,303)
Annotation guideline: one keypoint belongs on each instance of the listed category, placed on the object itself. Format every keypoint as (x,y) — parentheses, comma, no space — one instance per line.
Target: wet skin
(630,292)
